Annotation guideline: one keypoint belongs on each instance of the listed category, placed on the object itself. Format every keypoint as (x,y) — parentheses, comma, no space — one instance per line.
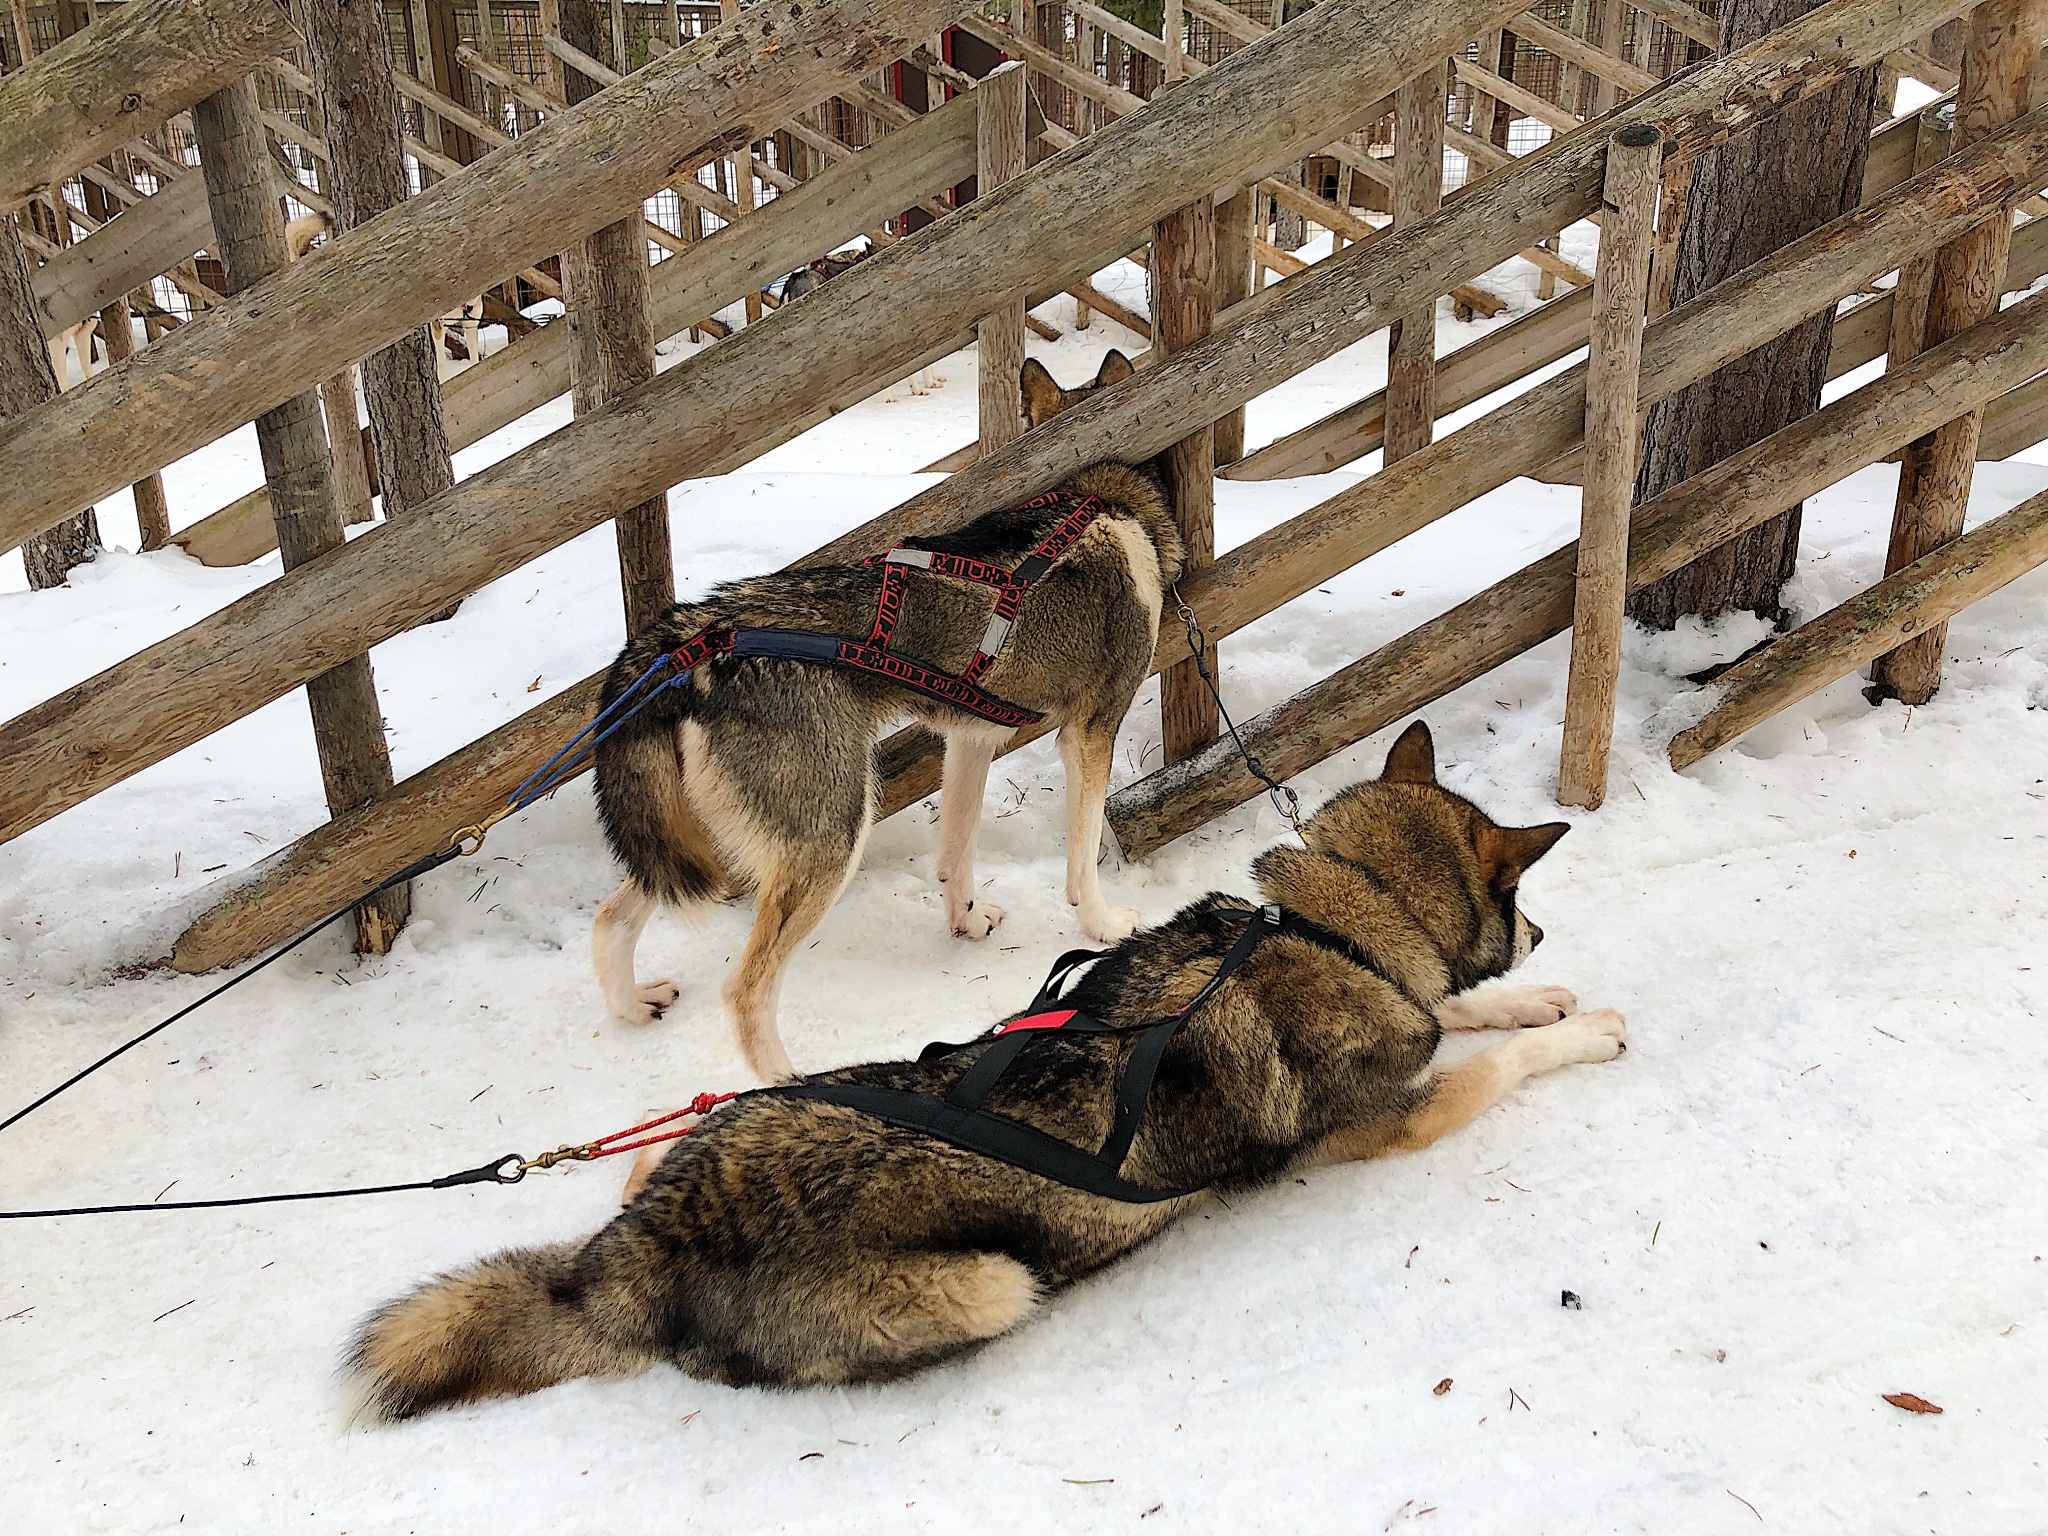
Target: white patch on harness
(921,558)
(993,637)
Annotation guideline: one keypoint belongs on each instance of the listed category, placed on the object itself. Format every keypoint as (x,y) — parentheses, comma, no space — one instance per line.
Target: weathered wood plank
(123,254)
(1085,204)
(1613,439)
(98,89)
(2005,38)
(1000,103)
(1527,608)
(569,176)
(1908,603)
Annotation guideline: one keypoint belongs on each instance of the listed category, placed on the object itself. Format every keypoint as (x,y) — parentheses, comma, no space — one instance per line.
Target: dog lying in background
(760,775)
(793,1242)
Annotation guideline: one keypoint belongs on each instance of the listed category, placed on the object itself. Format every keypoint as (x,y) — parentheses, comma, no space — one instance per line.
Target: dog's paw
(659,995)
(1506,1008)
(981,919)
(1600,1035)
(1112,925)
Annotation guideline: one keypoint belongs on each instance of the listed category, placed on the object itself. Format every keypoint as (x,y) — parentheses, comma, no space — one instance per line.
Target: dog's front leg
(961,792)
(1456,1096)
(1085,751)
(1506,1007)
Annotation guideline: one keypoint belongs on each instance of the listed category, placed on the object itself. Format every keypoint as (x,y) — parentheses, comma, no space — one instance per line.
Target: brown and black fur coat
(794,1243)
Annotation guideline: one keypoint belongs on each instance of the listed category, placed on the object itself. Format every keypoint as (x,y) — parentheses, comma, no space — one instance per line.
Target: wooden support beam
(1418,190)
(936,151)
(720,405)
(352,79)
(369,288)
(123,255)
(1590,57)
(145,62)
(2005,38)
(1183,271)
(999,107)
(1907,336)
(1525,102)
(1741,492)
(1613,440)
(1915,601)
(1536,427)
(348,727)
(1234,219)
(152,510)
(1682,18)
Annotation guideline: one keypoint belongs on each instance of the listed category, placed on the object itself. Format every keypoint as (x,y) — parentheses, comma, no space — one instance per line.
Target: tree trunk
(1795,173)
(351,61)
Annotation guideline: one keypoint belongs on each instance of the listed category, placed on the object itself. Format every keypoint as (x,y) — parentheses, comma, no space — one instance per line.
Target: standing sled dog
(795,1241)
(758,772)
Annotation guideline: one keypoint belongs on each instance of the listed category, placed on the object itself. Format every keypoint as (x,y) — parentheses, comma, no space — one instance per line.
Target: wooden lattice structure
(728,157)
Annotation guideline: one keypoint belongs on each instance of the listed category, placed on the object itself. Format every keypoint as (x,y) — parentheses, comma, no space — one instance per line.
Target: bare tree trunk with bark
(351,62)
(1753,195)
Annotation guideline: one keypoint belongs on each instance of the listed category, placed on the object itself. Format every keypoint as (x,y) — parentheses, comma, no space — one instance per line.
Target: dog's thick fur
(795,1243)
(760,775)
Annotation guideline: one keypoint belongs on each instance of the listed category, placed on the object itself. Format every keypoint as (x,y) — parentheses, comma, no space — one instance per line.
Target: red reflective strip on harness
(939,685)
(888,606)
(695,652)
(1053,1020)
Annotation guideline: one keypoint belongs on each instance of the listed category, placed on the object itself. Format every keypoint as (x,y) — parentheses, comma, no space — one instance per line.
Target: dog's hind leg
(792,898)
(1085,751)
(961,792)
(614,936)
(1460,1093)
(885,1316)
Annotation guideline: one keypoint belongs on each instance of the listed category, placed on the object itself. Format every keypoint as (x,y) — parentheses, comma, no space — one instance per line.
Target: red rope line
(703,1104)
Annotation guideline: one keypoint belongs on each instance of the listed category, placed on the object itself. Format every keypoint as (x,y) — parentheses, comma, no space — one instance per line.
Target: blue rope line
(547,779)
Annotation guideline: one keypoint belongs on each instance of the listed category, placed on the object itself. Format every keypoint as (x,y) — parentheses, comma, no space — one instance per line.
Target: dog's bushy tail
(647,817)
(508,1325)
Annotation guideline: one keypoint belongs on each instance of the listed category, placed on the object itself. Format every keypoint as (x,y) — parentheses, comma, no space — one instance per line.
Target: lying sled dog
(759,774)
(795,1242)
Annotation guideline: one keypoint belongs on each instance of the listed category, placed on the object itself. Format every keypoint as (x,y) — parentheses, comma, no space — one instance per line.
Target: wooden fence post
(1906,336)
(248,222)
(1183,271)
(1233,286)
(1934,474)
(1418,188)
(351,64)
(611,349)
(1000,112)
(152,511)
(1613,440)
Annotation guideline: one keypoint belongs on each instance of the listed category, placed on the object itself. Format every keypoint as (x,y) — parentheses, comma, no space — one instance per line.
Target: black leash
(418,867)
(505,1170)
(1285,800)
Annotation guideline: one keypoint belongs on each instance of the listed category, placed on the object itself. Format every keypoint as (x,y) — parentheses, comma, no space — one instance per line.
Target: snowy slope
(1817,1176)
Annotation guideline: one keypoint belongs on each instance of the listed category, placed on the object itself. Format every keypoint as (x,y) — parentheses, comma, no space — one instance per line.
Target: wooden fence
(855,133)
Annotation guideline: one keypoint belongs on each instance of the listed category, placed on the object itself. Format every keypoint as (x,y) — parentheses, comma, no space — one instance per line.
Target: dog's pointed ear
(1505,852)
(1040,391)
(1114,370)
(1413,759)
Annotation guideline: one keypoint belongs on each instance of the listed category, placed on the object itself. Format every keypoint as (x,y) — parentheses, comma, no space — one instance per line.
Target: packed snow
(1820,1174)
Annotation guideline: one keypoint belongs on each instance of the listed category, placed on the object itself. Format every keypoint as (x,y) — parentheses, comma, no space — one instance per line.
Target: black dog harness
(873,654)
(960,1119)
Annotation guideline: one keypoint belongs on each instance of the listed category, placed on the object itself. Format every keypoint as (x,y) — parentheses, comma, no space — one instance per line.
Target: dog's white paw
(1600,1035)
(658,995)
(1507,1008)
(981,919)
(1111,925)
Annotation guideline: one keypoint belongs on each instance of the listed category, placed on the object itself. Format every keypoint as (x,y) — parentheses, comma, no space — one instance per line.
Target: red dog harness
(873,654)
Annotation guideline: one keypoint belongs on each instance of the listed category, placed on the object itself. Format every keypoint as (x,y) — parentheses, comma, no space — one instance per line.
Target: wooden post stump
(611,350)
(1234,221)
(351,66)
(1183,272)
(248,222)
(1418,187)
(152,511)
(1934,474)
(1000,111)
(1613,439)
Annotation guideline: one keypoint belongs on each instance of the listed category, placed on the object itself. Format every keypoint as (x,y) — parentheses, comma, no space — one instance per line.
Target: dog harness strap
(997,1136)
(960,1119)
(873,654)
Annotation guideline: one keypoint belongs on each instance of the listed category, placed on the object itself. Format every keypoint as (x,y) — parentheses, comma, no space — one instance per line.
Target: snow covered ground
(1817,1177)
